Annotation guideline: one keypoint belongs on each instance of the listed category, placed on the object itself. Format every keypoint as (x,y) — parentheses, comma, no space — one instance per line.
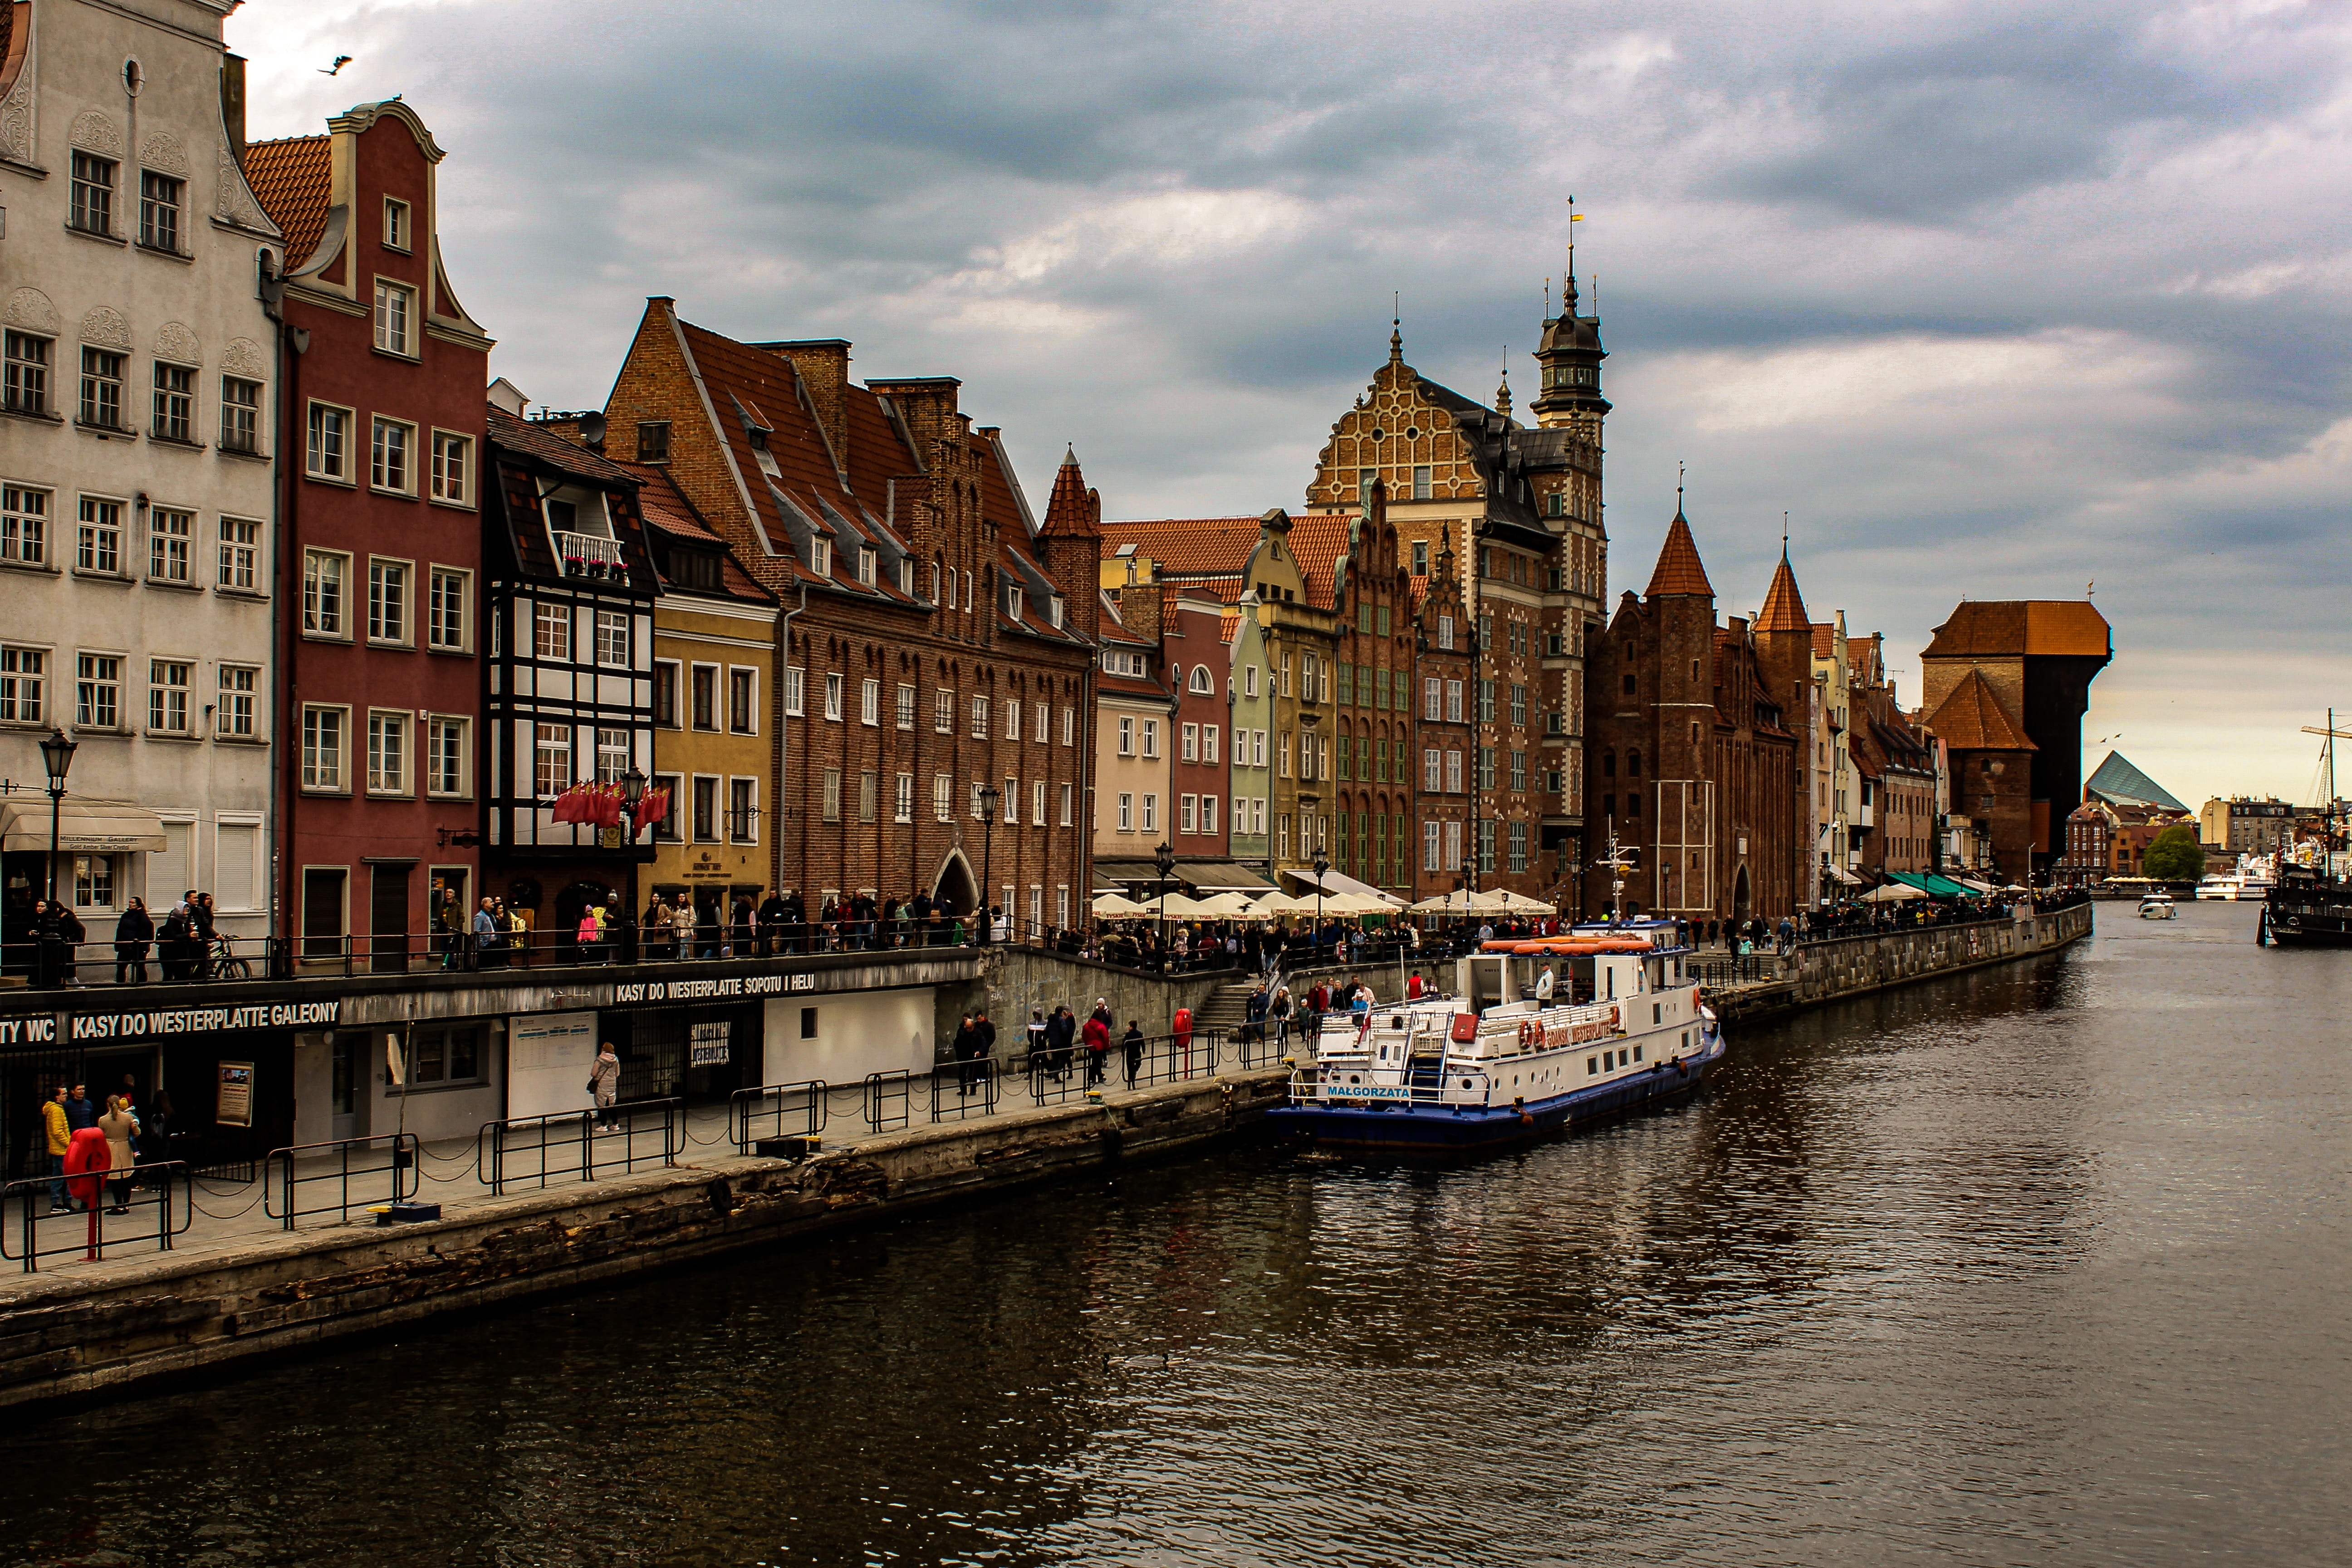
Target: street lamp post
(1164,861)
(990,798)
(633,798)
(1322,864)
(57,758)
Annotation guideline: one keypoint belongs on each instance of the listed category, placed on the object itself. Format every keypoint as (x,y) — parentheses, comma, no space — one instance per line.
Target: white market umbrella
(1893,893)
(1118,907)
(1226,905)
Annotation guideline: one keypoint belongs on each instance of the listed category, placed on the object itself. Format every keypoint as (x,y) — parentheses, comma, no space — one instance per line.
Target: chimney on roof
(823,364)
(232,104)
(928,404)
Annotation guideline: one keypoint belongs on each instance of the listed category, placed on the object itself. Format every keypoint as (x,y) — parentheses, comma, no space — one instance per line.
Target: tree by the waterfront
(2176,855)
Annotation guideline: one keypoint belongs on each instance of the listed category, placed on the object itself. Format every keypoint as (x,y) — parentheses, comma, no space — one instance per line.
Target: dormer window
(907,575)
(865,567)
(1053,611)
(1013,601)
(821,557)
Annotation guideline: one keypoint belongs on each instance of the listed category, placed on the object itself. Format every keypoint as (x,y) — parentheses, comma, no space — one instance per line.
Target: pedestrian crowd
(88,1144)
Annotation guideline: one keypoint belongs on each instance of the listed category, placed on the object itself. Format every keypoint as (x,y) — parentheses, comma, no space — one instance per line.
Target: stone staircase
(1227,1008)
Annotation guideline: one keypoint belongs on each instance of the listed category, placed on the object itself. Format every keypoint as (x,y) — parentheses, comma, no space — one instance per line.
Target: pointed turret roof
(1074,510)
(1784,606)
(1679,570)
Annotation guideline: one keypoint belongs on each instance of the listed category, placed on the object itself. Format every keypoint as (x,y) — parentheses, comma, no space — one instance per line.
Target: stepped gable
(1679,569)
(1784,606)
(1972,718)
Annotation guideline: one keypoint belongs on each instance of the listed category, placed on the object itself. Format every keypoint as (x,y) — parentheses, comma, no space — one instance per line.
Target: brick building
(936,640)
(1192,648)
(1444,670)
(1698,770)
(380,539)
(1895,770)
(1375,826)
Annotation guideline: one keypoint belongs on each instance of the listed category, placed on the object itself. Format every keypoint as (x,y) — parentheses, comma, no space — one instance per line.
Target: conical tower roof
(1679,570)
(1784,606)
(1073,511)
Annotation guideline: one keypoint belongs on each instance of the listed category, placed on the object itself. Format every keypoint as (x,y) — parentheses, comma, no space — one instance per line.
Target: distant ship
(2311,903)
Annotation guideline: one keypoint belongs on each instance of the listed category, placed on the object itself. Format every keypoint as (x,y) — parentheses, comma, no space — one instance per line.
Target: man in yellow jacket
(60,1134)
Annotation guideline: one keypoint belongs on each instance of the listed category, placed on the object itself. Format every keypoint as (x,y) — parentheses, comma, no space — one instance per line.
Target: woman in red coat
(1097,1035)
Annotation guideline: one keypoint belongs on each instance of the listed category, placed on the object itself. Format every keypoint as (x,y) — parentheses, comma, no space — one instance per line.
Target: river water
(2044,1264)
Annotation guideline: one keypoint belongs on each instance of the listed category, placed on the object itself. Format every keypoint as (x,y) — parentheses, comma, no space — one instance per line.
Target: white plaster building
(136,448)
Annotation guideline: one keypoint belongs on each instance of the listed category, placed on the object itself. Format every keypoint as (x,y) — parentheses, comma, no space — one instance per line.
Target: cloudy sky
(1996,300)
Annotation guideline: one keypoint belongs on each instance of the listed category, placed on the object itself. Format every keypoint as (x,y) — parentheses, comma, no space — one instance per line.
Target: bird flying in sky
(340,62)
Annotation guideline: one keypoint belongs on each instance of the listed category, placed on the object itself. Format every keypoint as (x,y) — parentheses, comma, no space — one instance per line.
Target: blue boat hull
(1443,1129)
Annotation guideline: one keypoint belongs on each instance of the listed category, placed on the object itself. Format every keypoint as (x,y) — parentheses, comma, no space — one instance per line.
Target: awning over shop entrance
(85,827)
(1941,887)
(1209,875)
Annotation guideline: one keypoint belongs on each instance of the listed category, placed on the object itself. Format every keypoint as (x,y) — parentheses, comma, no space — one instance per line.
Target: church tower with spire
(1571,355)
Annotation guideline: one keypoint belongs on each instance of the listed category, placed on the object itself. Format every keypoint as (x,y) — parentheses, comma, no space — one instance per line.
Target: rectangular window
(234,716)
(1037,804)
(551,631)
(979,804)
(93,880)
(328,450)
(1421,482)
(1518,847)
(1188,814)
(833,697)
(653,441)
(240,544)
(453,467)
(943,711)
(395,224)
(1151,737)
(167,696)
(1188,742)
(175,403)
(1486,845)
(979,718)
(1044,718)
(1150,814)
(1069,794)
(393,449)
(445,757)
(387,755)
(1209,744)
(160,200)
(793,707)
(1429,847)
(821,557)
(1485,767)
(24,676)
(742,812)
(1452,846)
(741,693)
(1126,812)
(612,638)
(1249,680)
(240,414)
(552,754)
(1485,701)
(666,695)
(98,543)
(322,593)
(322,748)
(1126,736)
(92,210)
(1069,726)
(1285,675)
(26,386)
(1209,814)
(1011,717)
(1013,802)
(906,710)
(865,566)
(1433,770)
(101,389)
(869,702)
(396,307)
(168,541)
(1518,704)
(1453,703)
(445,626)
(1454,773)
(1347,687)
(387,602)
(705,696)
(1420,564)
(1519,770)
(943,795)
(705,804)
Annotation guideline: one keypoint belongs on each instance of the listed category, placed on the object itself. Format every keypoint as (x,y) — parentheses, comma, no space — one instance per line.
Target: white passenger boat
(1494,1064)
(2227,887)
(2155,907)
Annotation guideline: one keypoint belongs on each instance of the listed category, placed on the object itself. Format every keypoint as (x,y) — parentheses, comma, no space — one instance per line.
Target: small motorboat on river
(1620,1025)
(2155,907)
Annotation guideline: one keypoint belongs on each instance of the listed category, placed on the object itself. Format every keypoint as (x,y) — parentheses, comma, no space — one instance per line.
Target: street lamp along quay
(57,758)
(633,798)
(1164,861)
(990,798)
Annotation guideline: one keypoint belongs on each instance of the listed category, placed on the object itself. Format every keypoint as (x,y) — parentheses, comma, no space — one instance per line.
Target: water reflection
(2042,1263)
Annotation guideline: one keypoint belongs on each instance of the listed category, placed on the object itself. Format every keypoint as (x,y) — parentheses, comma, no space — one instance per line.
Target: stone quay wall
(1853,966)
(69,1338)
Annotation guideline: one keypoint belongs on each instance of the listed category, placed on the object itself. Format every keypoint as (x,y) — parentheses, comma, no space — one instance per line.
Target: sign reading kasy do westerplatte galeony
(140,1025)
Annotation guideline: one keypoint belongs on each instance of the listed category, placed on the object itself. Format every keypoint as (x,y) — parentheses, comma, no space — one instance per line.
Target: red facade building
(1193,648)
(380,555)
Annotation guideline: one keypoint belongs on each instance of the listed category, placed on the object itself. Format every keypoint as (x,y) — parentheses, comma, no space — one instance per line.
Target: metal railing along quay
(388,1162)
(535,1150)
(152,1215)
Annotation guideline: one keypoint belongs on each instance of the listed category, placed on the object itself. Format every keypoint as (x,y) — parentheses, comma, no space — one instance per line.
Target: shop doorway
(955,892)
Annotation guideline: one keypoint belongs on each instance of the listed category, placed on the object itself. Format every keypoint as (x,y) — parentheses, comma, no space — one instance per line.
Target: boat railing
(1456,1085)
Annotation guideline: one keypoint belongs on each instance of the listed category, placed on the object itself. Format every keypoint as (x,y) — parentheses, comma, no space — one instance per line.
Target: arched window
(1203,683)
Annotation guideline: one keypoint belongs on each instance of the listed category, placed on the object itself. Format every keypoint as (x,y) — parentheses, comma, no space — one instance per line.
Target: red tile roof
(293,181)
(1186,544)
(1073,512)
(668,511)
(1972,718)
(1988,627)
(1679,570)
